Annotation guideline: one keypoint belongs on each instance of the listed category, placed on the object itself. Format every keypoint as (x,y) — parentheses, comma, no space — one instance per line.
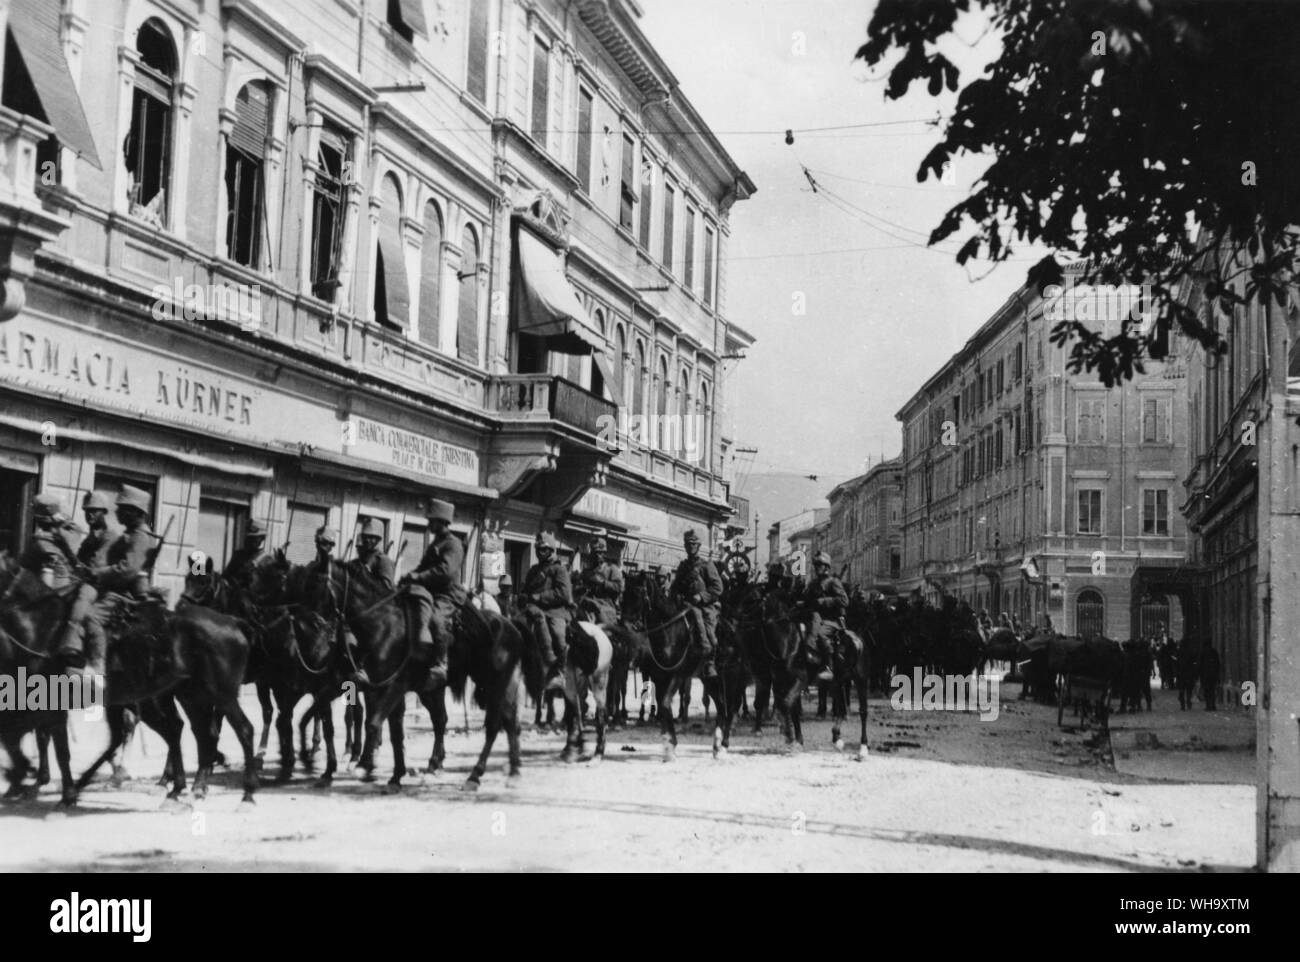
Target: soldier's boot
(438,655)
(72,648)
(555,679)
(358,676)
(825,653)
(708,656)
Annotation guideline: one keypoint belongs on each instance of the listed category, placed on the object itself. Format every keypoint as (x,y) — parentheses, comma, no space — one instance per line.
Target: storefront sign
(598,504)
(385,444)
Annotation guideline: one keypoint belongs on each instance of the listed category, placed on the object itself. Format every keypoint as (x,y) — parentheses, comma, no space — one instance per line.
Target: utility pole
(1277,714)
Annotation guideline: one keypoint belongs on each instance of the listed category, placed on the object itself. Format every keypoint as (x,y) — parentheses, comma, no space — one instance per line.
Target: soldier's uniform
(48,561)
(601,584)
(506,596)
(244,562)
(370,562)
(323,563)
(547,601)
(124,569)
(825,601)
(93,550)
(438,575)
(696,583)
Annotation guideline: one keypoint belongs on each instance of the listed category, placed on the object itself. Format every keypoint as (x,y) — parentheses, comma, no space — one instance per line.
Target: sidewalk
(1195,745)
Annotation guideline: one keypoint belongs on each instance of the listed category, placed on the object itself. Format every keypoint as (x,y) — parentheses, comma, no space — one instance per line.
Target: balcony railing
(547,397)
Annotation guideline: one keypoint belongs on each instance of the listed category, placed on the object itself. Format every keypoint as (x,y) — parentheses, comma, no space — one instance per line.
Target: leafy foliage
(1155,141)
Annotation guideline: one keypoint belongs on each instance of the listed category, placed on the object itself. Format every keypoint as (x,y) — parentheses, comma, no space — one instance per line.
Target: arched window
(430,275)
(661,403)
(597,379)
(392,301)
(467,313)
(245,175)
(1089,614)
(638,380)
(618,388)
(147,148)
(706,429)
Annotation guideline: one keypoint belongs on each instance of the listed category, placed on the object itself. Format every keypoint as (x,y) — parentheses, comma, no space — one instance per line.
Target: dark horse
(207,655)
(852,663)
(486,648)
(672,658)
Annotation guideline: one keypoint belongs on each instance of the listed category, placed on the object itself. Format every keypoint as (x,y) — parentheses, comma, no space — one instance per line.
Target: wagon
(1089,670)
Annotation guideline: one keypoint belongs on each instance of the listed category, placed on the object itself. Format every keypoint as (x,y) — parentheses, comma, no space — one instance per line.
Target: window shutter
(476,74)
(251,109)
(302,532)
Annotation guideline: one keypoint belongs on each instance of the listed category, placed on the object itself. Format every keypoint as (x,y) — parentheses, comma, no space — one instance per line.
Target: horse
(672,659)
(208,657)
(485,647)
(745,615)
(852,663)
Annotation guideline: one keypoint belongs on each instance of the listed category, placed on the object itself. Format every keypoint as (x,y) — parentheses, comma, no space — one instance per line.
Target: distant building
(865,532)
(1036,491)
(794,534)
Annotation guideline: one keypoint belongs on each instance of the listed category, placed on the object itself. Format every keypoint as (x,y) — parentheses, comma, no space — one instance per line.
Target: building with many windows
(865,527)
(1037,491)
(311,262)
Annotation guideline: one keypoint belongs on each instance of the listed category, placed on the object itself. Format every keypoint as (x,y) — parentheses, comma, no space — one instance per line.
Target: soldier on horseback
(547,601)
(823,606)
(601,584)
(242,567)
(50,559)
(373,565)
(323,564)
(93,550)
(435,592)
(506,596)
(697,584)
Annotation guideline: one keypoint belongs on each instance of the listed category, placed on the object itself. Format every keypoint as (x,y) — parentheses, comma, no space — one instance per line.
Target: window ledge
(475,107)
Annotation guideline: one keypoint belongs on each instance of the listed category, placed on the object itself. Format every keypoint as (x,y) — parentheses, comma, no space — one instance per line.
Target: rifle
(152,555)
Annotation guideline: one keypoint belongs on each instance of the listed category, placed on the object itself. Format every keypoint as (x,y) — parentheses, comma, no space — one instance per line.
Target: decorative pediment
(541,211)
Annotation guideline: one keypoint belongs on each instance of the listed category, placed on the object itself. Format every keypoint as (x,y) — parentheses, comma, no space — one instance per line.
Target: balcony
(547,397)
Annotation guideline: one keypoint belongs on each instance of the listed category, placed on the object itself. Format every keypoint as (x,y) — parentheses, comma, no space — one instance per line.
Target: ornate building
(308,262)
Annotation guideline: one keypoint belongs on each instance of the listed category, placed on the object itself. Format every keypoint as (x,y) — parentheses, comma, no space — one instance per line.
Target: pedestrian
(1209,676)
(1187,673)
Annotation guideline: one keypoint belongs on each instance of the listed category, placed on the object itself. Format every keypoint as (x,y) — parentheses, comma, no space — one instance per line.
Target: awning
(413,16)
(548,306)
(34,25)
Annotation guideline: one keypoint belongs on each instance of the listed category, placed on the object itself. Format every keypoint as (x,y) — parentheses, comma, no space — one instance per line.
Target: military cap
(46,505)
(821,558)
(546,540)
(94,501)
(598,546)
(505,581)
(372,528)
(133,497)
(691,537)
(440,511)
(326,534)
(254,530)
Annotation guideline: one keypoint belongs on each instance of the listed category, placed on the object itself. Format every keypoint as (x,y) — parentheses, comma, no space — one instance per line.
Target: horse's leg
(572,718)
(491,725)
(822,689)
(714,692)
(685,703)
(325,711)
(285,699)
(244,732)
(268,712)
(64,757)
(310,715)
(116,736)
(510,719)
(598,691)
(435,702)
(862,687)
(42,756)
(161,715)
(315,737)
(127,720)
(839,711)
(373,725)
(665,688)
(19,765)
(205,725)
(397,731)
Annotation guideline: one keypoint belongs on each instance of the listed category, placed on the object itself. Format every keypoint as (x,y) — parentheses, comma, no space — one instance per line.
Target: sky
(818,391)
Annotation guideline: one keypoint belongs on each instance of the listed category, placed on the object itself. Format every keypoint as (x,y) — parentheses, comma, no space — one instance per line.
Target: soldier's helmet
(372,529)
(132,497)
(547,540)
(505,581)
(254,530)
(46,506)
(441,511)
(822,558)
(598,546)
(94,501)
(691,537)
(326,535)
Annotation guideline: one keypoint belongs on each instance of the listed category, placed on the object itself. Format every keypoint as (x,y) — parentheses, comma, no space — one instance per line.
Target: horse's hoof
(367,776)
(247,803)
(861,756)
(514,780)
(433,769)
(324,782)
(174,805)
(392,788)
(42,779)
(839,744)
(595,759)
(471,785)
(568,757)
